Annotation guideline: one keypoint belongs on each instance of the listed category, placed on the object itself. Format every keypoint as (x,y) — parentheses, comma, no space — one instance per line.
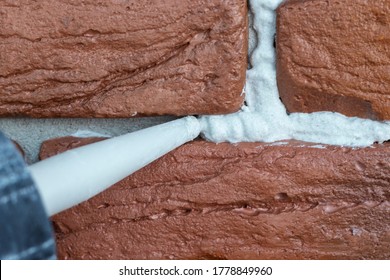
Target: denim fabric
(25,230)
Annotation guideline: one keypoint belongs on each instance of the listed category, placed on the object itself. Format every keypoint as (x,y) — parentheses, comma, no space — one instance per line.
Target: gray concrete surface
(30,133)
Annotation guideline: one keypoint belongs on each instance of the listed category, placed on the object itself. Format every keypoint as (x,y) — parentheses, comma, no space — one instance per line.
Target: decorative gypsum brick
(334,56)
(245,201)
(122,58)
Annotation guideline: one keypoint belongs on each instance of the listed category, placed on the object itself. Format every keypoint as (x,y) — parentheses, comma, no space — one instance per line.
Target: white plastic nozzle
(76,175)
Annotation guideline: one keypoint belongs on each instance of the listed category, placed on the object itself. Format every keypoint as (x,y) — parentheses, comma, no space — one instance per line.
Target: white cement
(265,118)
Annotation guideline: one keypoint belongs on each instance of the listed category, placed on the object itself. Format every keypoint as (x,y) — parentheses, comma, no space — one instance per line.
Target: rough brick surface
(245,201)
(121,58)
(334,55)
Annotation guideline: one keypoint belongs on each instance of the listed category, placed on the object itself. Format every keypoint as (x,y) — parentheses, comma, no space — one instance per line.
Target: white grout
(265,118)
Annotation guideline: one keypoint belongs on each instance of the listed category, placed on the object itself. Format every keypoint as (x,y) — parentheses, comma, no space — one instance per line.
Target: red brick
(122,58)
(245,201)
(334,56)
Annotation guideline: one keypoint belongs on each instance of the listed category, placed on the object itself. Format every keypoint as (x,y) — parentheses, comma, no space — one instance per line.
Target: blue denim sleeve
(25,230)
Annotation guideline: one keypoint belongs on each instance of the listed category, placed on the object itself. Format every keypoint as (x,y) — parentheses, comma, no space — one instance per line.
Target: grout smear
(88,133)
(265,119)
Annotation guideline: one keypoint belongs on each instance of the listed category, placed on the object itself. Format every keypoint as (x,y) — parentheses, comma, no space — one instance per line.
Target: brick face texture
(205,200)
(334,55)
(245,201)
(121,58)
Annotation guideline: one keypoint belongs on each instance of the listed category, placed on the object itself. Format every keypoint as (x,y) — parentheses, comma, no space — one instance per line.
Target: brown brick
(121,58)
(245,201)
(334,55)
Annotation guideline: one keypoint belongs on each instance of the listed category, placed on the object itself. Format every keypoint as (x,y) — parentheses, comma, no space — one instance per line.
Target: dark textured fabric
(25,230)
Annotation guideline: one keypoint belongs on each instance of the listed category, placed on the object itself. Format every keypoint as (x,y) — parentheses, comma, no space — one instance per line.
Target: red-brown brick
(245,201)
(122,58)
(334,55)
